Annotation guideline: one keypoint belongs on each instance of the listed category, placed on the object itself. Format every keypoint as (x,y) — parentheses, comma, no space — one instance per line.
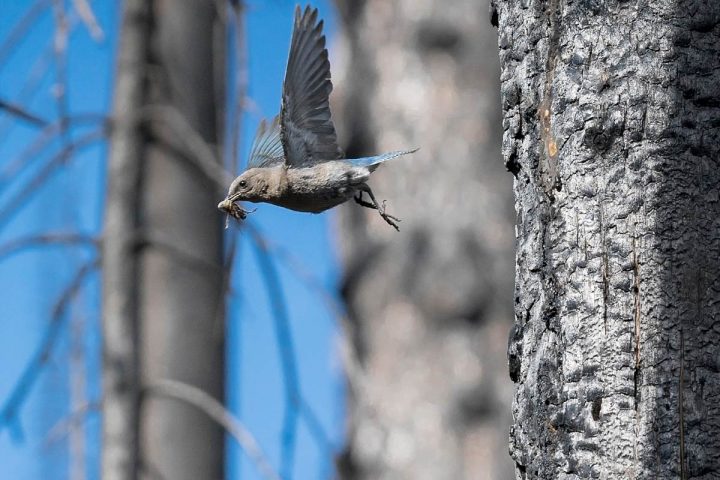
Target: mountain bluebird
(295,161)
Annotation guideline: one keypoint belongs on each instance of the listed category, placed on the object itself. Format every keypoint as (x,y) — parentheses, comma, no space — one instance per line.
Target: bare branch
(9,410)
(297,267)
(184,138)
(241,83)
(21,28)
(57,238)
(22,113)
(218,413)
(295,403)
(30,87)
(86,14)
(170,247)
(42,140)
(286,348)
(317,431)
(60,89)
(63,427)
(77,369)
(14,205)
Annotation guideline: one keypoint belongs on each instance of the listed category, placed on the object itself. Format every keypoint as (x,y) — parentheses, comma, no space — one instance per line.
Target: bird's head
(251,186)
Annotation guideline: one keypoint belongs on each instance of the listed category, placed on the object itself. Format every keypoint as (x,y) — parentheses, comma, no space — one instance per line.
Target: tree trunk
(429,307)
(163,285)
(120,286)
(611,128)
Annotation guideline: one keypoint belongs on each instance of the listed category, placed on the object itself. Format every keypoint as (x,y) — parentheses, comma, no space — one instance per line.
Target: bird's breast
(315,202)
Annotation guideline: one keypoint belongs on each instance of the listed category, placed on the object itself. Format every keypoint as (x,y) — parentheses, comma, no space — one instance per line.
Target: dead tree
(162,268)
(429,307)
(611,130)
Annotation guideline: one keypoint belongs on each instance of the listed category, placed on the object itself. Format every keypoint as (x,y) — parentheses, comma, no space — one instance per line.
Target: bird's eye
(242,183)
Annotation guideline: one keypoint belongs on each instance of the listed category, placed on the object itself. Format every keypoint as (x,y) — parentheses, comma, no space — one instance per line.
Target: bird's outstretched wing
(267,149)
(308,134)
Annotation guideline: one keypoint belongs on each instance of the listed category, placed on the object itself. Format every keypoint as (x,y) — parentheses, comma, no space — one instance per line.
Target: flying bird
(295,161)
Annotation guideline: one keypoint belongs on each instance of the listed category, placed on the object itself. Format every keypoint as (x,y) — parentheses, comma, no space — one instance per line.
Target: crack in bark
(636,293)
(605,266)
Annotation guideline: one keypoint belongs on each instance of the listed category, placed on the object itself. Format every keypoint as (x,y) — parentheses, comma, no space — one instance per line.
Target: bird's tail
(373,162)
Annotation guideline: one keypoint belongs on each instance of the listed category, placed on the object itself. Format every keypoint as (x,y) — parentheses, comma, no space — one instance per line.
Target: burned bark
(610,116)
(429,307)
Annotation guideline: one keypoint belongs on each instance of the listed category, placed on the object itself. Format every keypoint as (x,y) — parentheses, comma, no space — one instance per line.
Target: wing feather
(267,148)
(307,132)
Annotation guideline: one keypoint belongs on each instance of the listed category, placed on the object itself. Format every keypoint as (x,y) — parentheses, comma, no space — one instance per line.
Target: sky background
(32,280)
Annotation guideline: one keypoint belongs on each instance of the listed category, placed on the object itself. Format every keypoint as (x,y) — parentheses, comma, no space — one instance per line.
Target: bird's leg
(390,219)
(359,200)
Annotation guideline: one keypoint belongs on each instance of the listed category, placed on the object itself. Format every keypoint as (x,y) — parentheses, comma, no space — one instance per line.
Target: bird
(295,161)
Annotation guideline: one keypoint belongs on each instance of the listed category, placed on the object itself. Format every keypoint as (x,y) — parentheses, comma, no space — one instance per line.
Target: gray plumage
(295,161)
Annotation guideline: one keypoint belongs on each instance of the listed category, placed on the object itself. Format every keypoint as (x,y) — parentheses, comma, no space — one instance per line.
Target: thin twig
(41,142)
(22,113)
(60,89)
(317,431)
(55,238)
(287,356)
(186,139)
(78,393)
(9,411)
(218,413)
(241,81)
(228,268)
(63,427)
(295,403)
(35,78)
(86,14)
(13,206)
(21,28)
(301,271)
(169,246)
(30,87)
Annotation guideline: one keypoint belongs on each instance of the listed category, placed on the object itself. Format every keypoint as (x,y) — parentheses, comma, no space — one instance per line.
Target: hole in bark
(512,164)
(493,16)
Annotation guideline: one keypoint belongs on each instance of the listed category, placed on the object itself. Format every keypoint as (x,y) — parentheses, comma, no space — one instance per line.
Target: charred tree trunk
(429,307)
(611,128)
(163,308)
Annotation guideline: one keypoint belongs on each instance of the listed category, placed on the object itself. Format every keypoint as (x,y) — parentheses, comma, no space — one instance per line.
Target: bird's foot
(390,219)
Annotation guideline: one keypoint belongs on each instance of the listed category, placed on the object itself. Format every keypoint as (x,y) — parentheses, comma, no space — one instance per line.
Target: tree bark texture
(171,263)
(429,307)
(612,129)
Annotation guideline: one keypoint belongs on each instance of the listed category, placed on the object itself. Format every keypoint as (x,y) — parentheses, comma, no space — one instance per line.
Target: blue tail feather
(377,159)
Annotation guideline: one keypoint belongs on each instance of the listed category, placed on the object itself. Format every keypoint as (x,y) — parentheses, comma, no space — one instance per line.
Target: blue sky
(32,280)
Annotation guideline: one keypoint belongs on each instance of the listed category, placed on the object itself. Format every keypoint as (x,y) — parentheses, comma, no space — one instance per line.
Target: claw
(390,219)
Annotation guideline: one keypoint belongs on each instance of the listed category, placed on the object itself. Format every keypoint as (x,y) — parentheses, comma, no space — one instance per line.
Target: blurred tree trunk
(429,307)
(162,277)
(611,126)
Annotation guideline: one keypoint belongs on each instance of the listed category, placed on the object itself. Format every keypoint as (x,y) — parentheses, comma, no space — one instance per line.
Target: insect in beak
(233,210)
